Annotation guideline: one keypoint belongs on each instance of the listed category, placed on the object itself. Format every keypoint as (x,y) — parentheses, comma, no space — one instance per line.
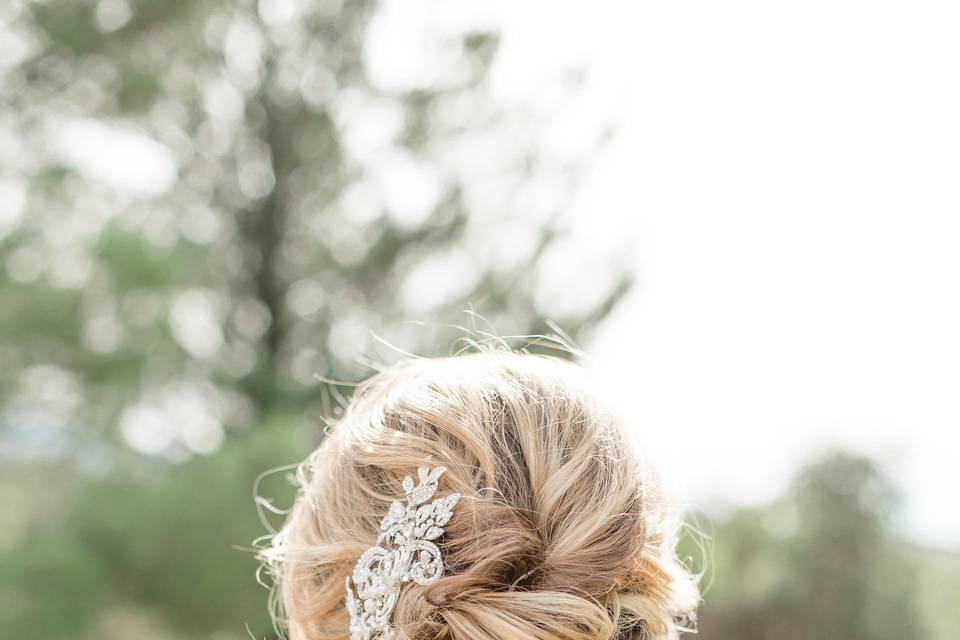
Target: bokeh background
(211,212)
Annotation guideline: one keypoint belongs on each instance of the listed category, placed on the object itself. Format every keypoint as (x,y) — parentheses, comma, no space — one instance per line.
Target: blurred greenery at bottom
(823,561)
(166,554)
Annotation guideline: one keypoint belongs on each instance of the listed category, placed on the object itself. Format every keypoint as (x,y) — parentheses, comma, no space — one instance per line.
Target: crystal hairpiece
(381,572)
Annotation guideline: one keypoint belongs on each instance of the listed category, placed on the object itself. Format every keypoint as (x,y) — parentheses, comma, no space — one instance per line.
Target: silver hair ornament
(381,571)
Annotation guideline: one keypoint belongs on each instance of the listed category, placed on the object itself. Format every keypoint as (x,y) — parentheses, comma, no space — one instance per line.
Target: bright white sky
(792,172)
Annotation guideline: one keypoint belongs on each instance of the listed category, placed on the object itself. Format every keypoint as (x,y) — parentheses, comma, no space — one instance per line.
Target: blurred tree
(821,562)
(203,204)
(210,202)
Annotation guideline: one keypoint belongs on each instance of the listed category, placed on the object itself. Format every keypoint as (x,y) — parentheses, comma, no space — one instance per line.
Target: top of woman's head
(561,531)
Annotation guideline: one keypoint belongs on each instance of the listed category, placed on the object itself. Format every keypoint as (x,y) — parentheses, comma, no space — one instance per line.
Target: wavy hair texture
(563,533)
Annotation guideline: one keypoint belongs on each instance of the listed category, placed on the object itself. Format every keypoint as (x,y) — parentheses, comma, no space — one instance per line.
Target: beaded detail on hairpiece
(403,553)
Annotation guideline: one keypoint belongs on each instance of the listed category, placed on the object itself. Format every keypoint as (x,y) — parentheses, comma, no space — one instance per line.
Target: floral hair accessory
(403,552)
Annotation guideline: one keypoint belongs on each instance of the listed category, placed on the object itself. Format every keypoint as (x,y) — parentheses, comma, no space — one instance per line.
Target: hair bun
(561,534)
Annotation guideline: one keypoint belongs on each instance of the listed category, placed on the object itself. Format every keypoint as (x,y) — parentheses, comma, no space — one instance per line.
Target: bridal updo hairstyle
(562,532)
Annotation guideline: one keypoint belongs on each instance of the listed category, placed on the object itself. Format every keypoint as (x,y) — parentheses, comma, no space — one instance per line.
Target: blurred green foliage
(822,561)
(165,553)
(214,202)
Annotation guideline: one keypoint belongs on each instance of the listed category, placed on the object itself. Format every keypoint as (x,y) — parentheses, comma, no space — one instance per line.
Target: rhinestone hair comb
(381,571)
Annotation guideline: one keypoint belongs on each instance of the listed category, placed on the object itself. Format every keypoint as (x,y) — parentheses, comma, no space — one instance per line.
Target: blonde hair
(562,531)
